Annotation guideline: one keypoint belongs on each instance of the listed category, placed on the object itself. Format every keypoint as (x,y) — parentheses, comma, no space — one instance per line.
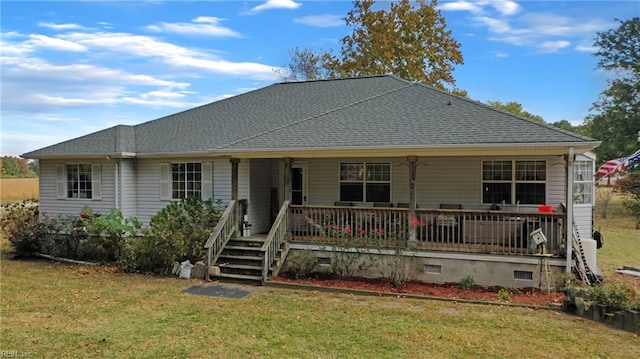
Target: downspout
(569,220)
(117,184)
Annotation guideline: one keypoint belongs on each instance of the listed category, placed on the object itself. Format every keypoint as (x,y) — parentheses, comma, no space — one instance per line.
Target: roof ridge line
(314,116)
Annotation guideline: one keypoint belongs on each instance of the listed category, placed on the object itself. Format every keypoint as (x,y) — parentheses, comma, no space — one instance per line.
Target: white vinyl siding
(149,184)
(53,199)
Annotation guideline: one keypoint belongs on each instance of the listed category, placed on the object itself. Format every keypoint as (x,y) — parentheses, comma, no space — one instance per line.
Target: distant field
(14,190)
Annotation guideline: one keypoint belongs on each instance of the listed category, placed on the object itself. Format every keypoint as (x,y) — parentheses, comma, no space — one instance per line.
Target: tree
(410,40)
(15,167)
(516,109)
(617,119)
(307,64)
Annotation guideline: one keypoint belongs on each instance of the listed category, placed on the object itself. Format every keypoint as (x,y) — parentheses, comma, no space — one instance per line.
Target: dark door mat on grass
(218,290)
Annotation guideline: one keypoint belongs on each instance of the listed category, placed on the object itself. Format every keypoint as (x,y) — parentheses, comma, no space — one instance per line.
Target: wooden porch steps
(241,260)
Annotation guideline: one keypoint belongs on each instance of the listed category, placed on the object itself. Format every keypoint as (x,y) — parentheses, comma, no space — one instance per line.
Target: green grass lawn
(622,241)
(52,310)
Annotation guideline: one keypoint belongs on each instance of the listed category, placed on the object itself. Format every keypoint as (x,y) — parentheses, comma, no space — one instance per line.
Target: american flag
(618,164)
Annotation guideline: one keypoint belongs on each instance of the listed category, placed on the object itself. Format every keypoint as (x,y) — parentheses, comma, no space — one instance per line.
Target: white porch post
(569,220)
(234,178)
(287,178)
(413,163)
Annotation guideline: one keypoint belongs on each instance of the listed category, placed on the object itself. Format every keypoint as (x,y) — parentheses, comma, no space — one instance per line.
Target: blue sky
(72,68)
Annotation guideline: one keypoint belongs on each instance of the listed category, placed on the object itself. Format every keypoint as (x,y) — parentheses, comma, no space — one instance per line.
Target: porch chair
(447,227)
(382,204)
(343,204)
(405,205)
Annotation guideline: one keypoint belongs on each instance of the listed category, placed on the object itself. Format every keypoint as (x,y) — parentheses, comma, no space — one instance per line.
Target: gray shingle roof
(363,112)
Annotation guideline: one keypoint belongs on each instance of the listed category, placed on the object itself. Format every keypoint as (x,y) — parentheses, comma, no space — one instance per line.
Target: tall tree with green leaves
(617,119)
(409,40)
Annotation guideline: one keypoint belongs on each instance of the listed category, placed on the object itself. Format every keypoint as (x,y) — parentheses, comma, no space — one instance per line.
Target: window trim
(364,180)
(514,181)
(588,182)
(62,182)
(166,180)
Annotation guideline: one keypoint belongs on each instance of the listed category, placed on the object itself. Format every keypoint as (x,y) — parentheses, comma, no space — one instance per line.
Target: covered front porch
(440,215)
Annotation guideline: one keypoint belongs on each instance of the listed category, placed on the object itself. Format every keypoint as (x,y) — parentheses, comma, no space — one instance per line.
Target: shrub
(176,233)
(504,295)
(302,264)
(467,282)
(615,295)
(396,268)
(19,224)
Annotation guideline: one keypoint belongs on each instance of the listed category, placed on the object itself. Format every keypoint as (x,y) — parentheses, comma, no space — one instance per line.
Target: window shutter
(207,180)
(96,181)
(60,182)
(165,182)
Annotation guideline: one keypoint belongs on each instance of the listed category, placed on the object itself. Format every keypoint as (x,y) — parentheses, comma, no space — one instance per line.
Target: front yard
(52,310)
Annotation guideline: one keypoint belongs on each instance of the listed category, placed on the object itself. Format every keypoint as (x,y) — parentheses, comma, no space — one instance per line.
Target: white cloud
(506,7)
(326,20)
(496,26)
(556,25)
(461,6)
(203,26)
(143,46)
(553,46)
(586,48)
(276,4)
(60,27)
(55,43)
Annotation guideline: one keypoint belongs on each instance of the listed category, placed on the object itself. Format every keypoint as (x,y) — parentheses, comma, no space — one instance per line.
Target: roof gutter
(108,155)
(439,150)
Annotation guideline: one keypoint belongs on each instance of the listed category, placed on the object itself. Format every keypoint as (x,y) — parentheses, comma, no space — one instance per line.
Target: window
(582,182)
(514,181)
(186,180)
(365,182)
(79,184)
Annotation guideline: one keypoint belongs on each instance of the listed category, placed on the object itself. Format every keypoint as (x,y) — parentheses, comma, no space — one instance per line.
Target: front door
(298,194)
(298,183)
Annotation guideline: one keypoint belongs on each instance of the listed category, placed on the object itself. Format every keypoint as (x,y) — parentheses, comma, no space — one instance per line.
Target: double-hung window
(582,182)
(365,182)
(179,180)
(186,180)
(79,181)
(514,181)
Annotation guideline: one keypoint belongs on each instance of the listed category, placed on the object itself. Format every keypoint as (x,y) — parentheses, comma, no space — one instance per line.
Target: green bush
(176,233)
(615,295)
(504,295)
(467,282)
(301,264)
(19,223)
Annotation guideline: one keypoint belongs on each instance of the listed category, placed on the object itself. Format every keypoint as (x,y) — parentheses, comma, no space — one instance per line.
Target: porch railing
(278,235)
(223,231)
(502,232)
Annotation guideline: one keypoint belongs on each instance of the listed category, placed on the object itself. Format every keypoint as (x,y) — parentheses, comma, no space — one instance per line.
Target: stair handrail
(223,231)
(277,236)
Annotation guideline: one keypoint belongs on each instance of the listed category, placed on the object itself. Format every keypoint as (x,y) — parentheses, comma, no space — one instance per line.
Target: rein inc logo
(14,354)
